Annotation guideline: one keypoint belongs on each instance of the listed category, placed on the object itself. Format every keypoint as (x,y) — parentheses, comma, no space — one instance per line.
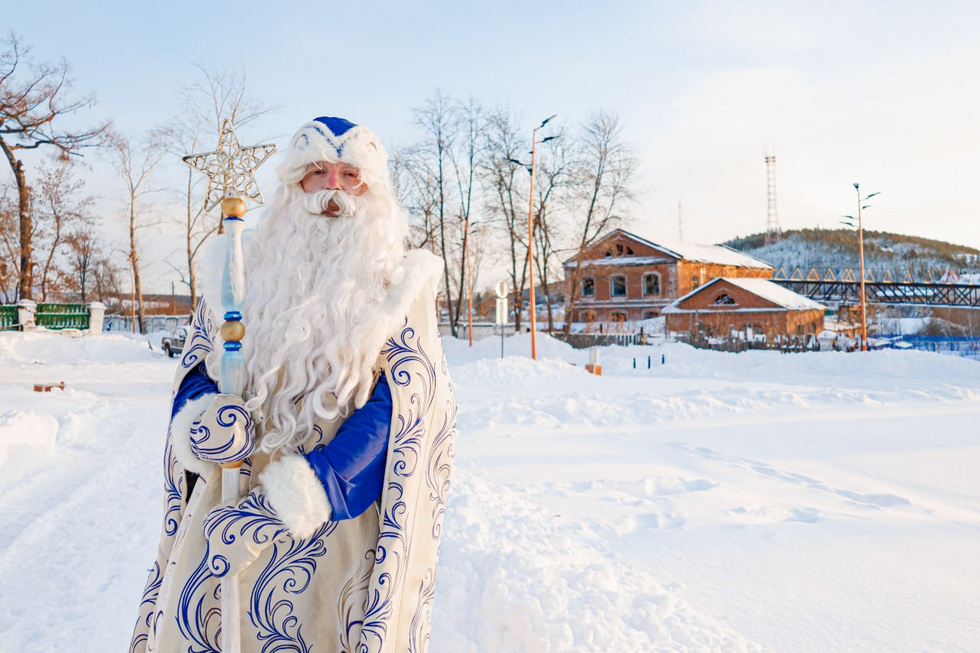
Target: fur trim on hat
(354,144)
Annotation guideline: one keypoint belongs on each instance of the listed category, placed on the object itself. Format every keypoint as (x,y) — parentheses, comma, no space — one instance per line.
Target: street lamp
(861,206)
(530,229)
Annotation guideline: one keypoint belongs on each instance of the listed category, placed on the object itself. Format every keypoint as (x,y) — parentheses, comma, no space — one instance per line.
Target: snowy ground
(758,501)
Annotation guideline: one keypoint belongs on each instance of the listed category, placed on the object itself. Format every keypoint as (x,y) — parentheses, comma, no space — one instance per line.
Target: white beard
(316,286)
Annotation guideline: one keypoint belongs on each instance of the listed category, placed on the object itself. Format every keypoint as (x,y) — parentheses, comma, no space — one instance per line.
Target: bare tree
(441,132)
(600,187)
(552,177)
(135,163)
(503,182)
(33,99)
(60,211)
(465,159)
(220,95)
(417,192)
(9,244)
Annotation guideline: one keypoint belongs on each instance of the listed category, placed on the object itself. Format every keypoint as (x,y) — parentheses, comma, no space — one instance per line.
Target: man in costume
(346,430)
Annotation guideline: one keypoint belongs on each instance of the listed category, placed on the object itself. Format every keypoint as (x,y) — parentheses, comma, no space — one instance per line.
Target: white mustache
(317,203)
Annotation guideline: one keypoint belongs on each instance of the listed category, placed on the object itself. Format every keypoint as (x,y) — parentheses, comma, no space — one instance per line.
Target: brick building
(753,307)
(623,277)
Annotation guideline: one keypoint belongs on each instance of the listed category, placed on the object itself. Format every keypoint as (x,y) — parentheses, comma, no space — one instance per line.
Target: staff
(232,382)
(229,169)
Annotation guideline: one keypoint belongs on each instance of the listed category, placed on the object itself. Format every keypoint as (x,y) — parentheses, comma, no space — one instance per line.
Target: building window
(695,281)
(649,315)
(724,299)
(617,286)
(588,287)
(651,284)
(618,318)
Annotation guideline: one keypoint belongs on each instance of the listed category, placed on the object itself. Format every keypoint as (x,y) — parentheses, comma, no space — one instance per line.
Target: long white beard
(316,287)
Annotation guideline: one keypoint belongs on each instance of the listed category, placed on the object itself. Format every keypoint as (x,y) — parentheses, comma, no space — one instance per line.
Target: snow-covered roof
(717,254)
(695,252)
(768,290)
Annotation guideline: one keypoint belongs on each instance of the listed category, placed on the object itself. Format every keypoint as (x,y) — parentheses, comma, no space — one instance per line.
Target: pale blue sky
(884,93)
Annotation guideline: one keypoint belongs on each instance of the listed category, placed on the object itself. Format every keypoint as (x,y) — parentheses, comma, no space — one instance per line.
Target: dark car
(173,342)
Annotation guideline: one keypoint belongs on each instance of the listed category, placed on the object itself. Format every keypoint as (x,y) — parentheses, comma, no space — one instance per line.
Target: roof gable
(693,252)
(764,289)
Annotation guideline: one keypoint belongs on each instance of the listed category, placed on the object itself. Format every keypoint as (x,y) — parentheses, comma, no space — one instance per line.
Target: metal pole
(469,277)
(530,247)
(864,321)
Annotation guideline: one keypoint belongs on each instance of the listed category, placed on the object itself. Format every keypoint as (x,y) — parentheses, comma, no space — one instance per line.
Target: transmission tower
(773,231)
(680,224)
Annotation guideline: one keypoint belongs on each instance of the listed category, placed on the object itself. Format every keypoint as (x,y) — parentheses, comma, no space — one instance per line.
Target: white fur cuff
(180,435)
(296,494)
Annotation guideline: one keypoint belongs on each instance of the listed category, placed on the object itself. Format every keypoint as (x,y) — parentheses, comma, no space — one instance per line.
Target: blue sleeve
(196,384)
(352,465)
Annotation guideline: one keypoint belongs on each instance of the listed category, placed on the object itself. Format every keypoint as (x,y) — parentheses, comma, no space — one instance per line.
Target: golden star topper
(230,167)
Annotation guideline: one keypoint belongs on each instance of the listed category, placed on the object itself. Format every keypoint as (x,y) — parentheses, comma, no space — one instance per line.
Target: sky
(880,93)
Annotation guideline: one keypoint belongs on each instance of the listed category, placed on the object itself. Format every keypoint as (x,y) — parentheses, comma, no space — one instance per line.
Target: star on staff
(230,167)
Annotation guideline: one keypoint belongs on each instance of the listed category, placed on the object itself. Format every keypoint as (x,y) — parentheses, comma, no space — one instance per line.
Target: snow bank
(723,502)
(54,347)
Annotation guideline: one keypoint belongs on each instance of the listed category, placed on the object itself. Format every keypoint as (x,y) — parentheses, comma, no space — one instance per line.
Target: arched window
(617,318)
(649,315)
(617,286)
(724,299)
(651,284)
(588,287)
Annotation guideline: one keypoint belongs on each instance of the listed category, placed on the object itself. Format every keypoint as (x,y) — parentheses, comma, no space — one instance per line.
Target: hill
(838,249)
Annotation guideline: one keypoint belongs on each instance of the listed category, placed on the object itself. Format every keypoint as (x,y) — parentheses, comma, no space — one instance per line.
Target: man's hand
(237,534)
(224,433)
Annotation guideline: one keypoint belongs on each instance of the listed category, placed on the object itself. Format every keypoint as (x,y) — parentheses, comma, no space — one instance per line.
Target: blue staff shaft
(232,382)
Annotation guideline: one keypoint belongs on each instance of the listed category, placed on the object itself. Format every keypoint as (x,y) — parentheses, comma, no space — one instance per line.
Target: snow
(718,254)
(733,502)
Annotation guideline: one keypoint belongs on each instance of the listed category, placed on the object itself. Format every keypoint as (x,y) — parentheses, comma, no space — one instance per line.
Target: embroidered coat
(360,585)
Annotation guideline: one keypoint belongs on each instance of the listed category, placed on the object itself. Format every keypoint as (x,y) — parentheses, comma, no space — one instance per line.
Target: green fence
(8,318)
(62,316)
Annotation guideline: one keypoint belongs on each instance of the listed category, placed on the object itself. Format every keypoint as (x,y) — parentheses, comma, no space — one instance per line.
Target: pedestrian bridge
(947,291)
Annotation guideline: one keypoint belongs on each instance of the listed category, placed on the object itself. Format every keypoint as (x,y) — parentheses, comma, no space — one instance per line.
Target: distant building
(751,307)
(625,278)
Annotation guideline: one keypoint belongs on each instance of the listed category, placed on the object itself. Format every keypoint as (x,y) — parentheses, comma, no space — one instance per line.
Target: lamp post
(530,231)
(860,226)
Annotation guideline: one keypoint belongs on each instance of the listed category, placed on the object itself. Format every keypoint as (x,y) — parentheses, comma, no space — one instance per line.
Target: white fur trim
(297,495)
(180,435)
(315,142)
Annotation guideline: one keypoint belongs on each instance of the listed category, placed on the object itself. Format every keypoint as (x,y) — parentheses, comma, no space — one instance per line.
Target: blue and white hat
(337,141)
